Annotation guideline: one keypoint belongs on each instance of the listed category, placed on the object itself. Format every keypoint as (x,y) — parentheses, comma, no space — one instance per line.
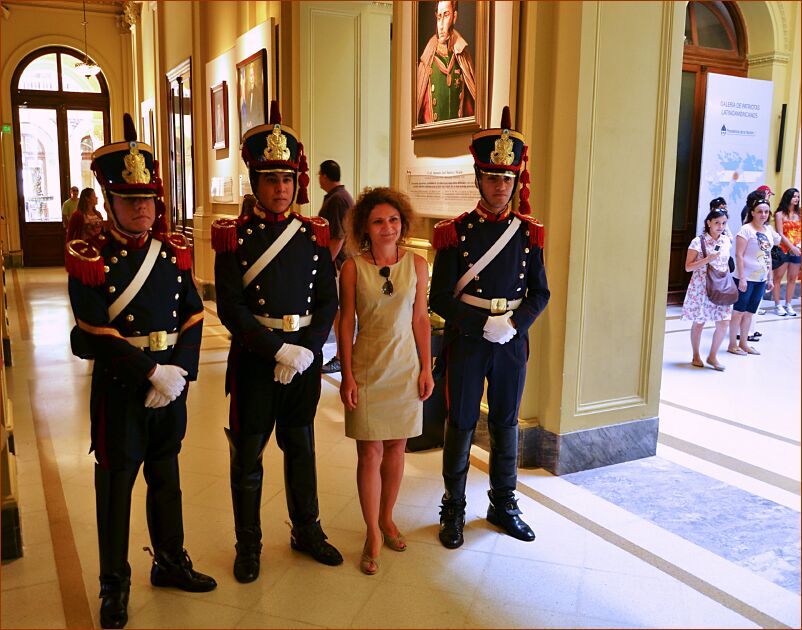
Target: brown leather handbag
(721,288)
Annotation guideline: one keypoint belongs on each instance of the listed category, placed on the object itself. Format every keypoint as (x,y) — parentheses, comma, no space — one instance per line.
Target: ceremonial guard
(489,284)
(276,293)
(139,316)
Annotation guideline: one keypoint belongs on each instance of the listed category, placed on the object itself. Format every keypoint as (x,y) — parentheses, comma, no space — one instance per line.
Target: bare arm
(740,248)
(421,329)
(694,259)
(348,388)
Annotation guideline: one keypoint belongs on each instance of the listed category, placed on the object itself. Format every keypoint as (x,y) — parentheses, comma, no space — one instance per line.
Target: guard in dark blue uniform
(276,293)
(489,284)
(139,316)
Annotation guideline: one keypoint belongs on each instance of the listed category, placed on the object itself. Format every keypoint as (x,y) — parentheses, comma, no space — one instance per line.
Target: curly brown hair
(369,199)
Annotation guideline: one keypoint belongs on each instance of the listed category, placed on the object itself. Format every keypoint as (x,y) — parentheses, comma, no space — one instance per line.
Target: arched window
(60,116)
(715,41)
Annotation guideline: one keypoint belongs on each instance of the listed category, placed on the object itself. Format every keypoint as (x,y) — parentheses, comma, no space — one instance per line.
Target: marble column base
(579,450)
(591,448)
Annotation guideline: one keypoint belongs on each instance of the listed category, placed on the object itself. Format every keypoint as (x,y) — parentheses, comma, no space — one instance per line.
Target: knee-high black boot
(300,485)
(171,563)
(456,462)
(503,510)
(113,505)
(246,495)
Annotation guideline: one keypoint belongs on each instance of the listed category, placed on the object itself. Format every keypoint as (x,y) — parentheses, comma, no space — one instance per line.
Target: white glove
(169,380)
(296,357)
(155,399)
(284,373)
(497,328)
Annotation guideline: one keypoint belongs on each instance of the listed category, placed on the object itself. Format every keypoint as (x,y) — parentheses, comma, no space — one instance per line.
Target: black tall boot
(171,564)
(113,506)
(456,462)
(246,495)
(503,510)
(300,485)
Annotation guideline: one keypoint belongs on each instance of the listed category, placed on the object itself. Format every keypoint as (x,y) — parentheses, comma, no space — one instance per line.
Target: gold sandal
(396,543)
(368,565)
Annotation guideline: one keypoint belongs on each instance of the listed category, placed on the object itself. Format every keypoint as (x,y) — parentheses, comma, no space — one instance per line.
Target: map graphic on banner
(735,142)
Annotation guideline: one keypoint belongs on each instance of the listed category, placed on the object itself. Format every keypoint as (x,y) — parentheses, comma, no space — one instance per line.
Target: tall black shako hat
(127,169)
(503,151)
(275,148)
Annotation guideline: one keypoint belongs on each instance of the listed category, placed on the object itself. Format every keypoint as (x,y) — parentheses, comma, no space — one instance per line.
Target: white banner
(735,143)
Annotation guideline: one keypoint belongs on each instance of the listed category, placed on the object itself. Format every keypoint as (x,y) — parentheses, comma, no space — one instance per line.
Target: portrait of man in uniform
(446,79)
(251,97)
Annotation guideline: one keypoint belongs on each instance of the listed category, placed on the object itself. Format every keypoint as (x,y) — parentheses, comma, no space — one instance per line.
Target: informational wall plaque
(244,186)
(222,190)
(442,191)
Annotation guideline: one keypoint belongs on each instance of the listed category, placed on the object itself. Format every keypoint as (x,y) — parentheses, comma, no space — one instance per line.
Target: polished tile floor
(705,534)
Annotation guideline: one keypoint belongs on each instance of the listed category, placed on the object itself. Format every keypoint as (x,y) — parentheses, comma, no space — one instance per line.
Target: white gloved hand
(169,380)
(497,328)
(296,357)
(155,399)
(284,373)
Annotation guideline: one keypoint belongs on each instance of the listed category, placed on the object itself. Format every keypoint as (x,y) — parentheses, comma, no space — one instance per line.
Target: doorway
(60,117)
(715,41)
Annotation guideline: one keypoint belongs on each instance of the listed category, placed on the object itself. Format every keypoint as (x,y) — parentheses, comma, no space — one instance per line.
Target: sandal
(716,365)
(368,565)
(396,543)
(737,350)
(753,338)
(750,350)
(696,363)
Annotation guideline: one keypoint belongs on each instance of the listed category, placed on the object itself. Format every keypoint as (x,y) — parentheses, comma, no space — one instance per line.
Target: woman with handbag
(787,221)
(753,245)
(710,249)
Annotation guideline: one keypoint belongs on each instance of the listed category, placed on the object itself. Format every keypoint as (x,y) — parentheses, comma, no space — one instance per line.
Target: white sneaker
(780,310)
(789,310)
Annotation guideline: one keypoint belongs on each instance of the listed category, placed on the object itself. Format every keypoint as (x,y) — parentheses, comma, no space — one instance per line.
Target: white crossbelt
(117,307)
(488,256)
(495,305)
(270,253)
(288,323)
(154,341)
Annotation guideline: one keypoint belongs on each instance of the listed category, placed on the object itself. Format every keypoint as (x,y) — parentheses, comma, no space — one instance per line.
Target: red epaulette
(445,232)
(84,263)
(534,229)
(320,228)
(224,235)
(182,251)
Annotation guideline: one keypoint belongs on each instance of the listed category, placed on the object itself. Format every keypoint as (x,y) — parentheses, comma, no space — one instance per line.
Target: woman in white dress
(387,371)
(697,307)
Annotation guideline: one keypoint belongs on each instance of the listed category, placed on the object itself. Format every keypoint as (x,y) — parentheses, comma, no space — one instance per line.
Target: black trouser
(247,473)
(113,503)
(468,362)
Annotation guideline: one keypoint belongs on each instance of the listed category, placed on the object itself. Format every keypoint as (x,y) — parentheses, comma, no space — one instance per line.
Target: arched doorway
(60,117)
(715,41)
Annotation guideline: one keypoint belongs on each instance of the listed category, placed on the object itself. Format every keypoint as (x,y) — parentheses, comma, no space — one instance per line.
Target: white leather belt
(494,305)
(287,323)
(155,341)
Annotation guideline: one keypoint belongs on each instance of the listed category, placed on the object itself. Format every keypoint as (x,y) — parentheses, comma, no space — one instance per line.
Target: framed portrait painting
(252,91)
(449,84)
(219,103)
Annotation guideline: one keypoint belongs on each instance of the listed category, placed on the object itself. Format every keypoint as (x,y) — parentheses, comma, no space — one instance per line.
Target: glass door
(60,117)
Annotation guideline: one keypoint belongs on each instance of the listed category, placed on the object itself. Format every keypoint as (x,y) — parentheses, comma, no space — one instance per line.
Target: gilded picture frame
(449,90)
(218,97)
(253,96)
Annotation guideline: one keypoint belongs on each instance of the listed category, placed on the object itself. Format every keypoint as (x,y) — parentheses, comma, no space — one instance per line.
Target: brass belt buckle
(291,323)
(498,305)
(157,340)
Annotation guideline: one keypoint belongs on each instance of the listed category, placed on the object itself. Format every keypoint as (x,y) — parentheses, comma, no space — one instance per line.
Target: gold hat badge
(502,153)
(135,171)
(277,145)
